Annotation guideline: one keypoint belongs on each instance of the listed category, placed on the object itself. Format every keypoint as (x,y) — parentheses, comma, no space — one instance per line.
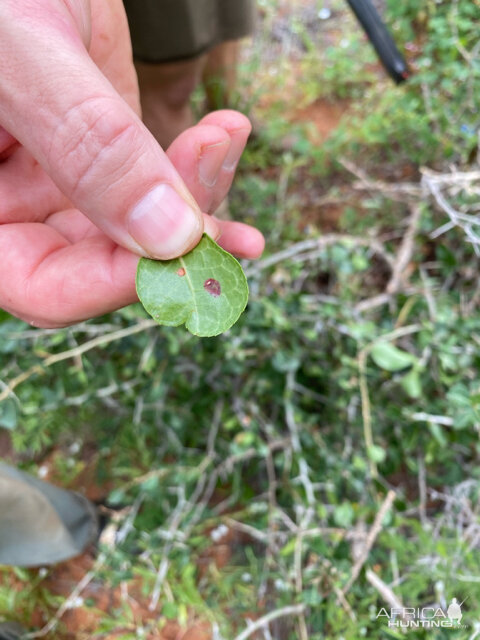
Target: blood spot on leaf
(181,271)
(212,287)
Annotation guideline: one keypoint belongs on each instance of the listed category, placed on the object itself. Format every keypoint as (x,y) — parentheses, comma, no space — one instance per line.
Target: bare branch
(384,590)
(370,540)
(293,610)
(73,353)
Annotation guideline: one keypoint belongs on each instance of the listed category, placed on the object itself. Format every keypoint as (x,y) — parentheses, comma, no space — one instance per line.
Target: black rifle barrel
(382,41)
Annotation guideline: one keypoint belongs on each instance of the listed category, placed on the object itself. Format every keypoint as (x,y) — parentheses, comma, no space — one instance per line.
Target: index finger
(56,102)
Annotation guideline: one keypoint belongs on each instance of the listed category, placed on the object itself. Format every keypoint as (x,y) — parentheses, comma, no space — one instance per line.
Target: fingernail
(163,224)
(211,227)
(210,163)
(237,144)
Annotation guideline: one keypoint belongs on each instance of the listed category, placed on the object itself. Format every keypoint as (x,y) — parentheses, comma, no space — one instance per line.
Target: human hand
(103,188)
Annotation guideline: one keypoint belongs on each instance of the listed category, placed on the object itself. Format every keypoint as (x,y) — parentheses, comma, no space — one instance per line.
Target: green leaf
(170,610)
(289,548)
(116,497)
(205,289)
(388,357)
(376,453)
(412,383)
(311,597)
(8,415)
(343,514)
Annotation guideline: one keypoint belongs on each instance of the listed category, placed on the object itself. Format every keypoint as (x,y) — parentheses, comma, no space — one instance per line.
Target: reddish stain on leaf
(181,271)
(212,287)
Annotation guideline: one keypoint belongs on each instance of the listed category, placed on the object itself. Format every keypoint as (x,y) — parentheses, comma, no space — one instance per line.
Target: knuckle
(94,139)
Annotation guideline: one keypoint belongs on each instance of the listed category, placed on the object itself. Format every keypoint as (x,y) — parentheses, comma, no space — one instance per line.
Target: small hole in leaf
(212,287)
(181,271)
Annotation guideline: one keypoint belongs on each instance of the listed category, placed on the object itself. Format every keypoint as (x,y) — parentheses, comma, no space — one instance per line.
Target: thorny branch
(459,514)
(446,187)
(370,540)
(75,352)
(293,610)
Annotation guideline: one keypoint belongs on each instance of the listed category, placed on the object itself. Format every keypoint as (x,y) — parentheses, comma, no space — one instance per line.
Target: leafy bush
(353,372)
(434,115)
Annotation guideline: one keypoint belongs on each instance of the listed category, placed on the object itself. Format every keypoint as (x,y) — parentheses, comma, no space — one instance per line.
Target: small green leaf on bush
(412,383)
(205,289)
(170,610)
(8,415)
(343,514)
(312,597)
(376,453)
(289,548)
(116,497)
(388,357)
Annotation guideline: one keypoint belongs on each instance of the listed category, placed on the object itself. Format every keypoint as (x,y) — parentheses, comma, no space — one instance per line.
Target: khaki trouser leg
(41,524)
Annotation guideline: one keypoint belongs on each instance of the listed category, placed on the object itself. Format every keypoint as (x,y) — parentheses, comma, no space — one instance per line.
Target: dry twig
(370,540)
(397,191)
(74,353)
(384,590)
(293,610)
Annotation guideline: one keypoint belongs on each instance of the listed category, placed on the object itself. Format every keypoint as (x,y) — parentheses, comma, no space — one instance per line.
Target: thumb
(56,102)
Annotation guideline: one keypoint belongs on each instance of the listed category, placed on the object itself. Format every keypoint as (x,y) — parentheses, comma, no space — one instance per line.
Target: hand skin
(84,187)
